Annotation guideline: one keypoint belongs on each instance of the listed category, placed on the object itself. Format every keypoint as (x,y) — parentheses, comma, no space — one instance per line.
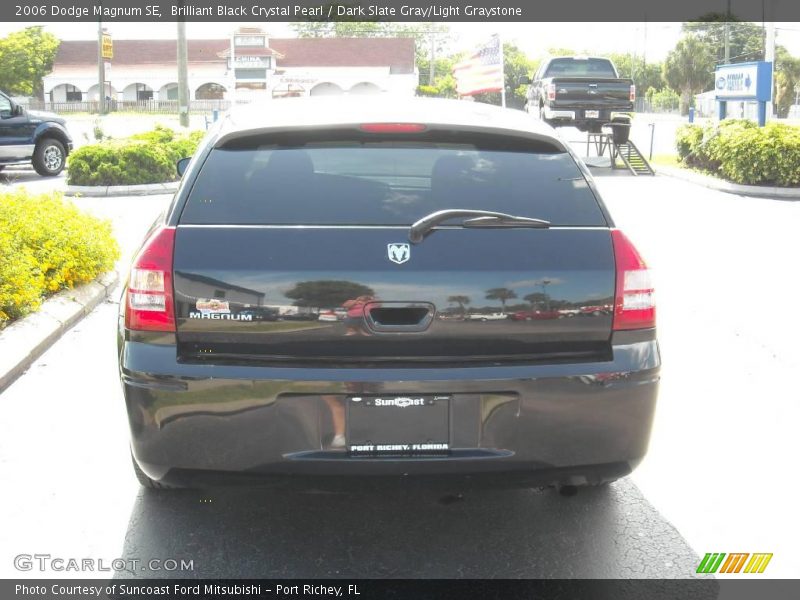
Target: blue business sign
(744,81)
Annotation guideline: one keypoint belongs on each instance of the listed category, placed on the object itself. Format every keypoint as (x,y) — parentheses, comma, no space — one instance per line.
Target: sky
(651,40)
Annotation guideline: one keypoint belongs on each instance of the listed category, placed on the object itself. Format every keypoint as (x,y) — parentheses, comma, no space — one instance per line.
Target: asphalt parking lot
(719,476)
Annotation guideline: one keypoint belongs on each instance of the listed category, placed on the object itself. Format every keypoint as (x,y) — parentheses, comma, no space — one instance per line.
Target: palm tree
(502,294)
(536,298)
(689,68)
(462,301)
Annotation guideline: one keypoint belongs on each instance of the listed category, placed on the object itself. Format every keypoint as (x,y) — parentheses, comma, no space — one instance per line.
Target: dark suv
(403,219)
(28,136)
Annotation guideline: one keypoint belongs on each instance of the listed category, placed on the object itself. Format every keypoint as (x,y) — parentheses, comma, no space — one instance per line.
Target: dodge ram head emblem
(399,253)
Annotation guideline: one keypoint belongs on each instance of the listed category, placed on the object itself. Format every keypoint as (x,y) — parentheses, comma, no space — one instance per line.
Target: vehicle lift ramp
(627,152)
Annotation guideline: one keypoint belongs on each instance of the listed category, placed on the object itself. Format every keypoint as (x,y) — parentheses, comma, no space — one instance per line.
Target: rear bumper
(529,425)
(577,113)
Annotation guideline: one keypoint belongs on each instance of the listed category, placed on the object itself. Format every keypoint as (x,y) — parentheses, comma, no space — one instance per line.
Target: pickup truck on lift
(582,92)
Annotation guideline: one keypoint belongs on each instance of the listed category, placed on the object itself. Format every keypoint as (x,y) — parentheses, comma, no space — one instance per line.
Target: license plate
(398,425)
(592,114)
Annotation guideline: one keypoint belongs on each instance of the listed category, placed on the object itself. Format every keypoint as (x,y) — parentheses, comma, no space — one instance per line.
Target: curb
(22,342)
(95,191)
(713,183)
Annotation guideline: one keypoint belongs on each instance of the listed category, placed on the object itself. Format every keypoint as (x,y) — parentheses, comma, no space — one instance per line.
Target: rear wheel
(49,157)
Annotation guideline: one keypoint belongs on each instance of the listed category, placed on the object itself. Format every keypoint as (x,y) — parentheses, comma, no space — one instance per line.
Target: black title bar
(705,588)
(369,589)
(394,10)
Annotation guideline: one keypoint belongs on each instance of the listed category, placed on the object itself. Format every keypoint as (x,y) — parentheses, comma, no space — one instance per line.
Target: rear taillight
(149,304)
(551,91)
(634,300)
(633,93)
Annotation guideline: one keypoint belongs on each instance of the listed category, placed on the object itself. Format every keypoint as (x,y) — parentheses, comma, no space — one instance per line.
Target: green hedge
(143,158)
(742,152)
(46,245)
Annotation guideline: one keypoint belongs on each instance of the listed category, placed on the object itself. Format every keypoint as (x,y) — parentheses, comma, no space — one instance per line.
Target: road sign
(108,47)
(744,81)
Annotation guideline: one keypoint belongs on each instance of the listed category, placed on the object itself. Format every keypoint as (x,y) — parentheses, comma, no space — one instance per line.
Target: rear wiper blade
(481,218)
(509,221)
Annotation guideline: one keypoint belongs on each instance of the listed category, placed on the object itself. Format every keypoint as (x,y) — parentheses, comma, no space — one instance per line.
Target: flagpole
(502,73)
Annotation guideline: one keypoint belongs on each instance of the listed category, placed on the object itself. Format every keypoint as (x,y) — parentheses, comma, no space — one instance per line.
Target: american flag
(481,72)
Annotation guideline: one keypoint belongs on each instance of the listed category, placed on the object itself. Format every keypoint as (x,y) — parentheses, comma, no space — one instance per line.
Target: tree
(787,80)
(663,100)
(462,302)
(564,52)
(537,298)
(517,65)
(746,40)
(689,68)
(27,56)
(644,75)
(326,293)
(444,85)
(502,294)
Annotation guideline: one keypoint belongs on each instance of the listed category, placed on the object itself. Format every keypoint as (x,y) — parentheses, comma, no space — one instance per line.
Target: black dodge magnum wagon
(328,297)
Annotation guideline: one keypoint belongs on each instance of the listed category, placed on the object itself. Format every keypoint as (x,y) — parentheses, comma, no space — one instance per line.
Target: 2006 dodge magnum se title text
(431,290)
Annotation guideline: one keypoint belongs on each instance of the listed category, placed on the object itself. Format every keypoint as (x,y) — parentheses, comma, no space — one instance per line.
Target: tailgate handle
(399,317)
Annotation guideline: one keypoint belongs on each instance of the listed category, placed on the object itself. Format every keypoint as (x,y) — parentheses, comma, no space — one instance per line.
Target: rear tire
(49,157)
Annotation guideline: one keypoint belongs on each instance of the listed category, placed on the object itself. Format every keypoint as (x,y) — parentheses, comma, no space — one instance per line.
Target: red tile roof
(396,53)
(139,52)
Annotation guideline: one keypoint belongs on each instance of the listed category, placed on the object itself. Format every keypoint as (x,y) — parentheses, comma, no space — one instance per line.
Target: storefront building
(246,66)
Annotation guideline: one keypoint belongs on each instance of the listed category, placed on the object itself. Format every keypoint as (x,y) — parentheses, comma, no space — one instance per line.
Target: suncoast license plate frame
(398,425)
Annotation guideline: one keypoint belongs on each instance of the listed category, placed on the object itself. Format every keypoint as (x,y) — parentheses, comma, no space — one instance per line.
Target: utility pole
(183,77)
(432,70)
(644,52)
(101,70)
(502,72)
(232,70)
(728,34)
(769,56)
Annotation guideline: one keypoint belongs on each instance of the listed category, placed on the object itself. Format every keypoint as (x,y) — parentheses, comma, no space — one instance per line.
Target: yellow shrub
(46,245)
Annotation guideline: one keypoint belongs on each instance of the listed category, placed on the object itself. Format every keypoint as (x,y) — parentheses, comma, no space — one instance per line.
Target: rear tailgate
(592,92)
(295,251)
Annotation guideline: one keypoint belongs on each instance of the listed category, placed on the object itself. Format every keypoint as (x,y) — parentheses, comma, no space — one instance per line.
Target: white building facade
(146,70)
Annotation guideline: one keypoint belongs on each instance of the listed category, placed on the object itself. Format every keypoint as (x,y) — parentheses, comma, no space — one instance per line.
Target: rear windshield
(578,67)
(388,183)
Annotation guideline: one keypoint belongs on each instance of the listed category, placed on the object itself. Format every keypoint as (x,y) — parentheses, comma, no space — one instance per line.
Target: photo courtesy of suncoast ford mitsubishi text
(311,304)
